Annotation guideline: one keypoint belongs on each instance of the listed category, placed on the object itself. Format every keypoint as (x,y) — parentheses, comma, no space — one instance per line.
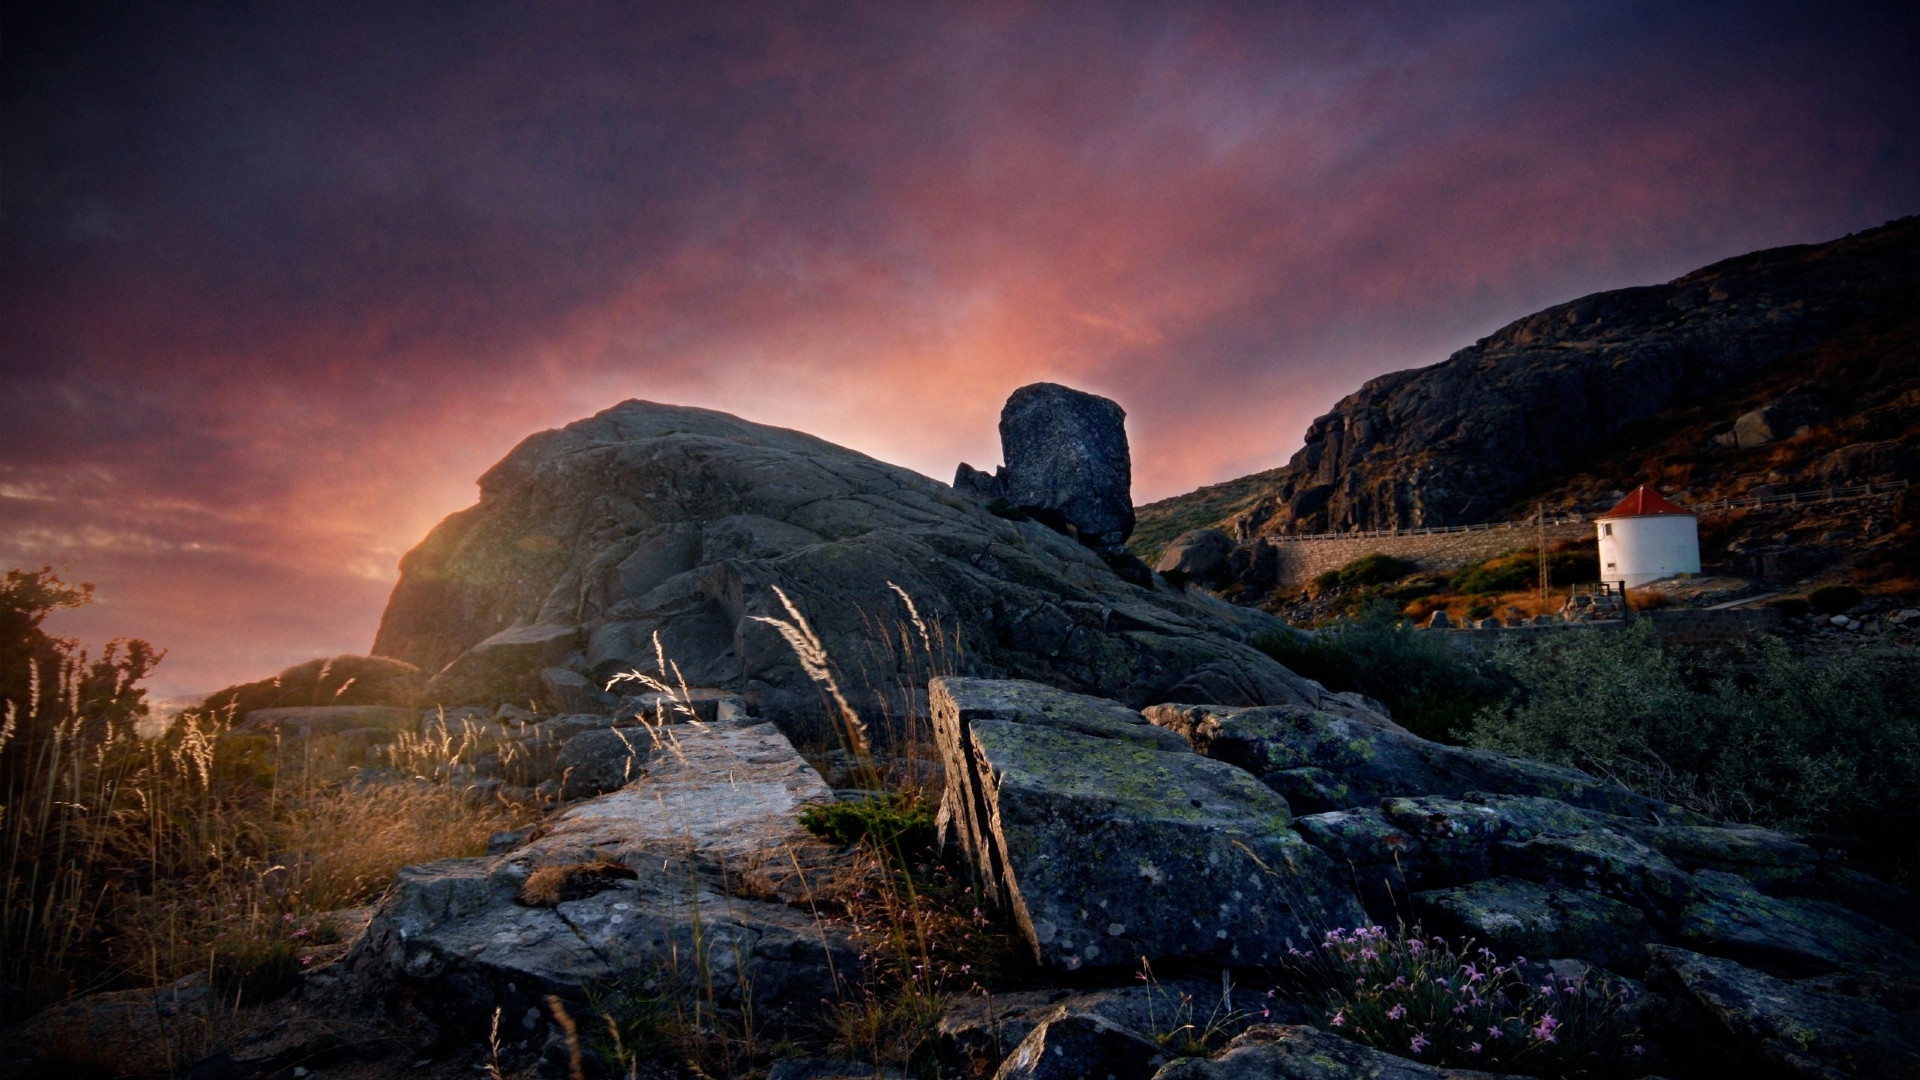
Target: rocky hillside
(661,539)
(1820,342)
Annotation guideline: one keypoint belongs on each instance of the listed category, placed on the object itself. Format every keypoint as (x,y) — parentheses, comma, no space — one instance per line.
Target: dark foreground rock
(1109,839)
(685,879)
(1323,761)
(1730,1020)
(652,533)
(1297,1052)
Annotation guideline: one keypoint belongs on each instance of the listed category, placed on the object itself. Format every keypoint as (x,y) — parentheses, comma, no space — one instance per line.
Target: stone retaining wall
(1295,562)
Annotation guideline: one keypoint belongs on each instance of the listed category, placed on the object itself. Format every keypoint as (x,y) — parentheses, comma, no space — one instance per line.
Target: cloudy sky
(277,282)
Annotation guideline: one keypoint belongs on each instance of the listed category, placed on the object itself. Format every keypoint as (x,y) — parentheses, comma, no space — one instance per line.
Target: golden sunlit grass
(131,862)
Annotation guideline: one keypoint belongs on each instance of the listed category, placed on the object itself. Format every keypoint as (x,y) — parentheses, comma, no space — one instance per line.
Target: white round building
(1646,538)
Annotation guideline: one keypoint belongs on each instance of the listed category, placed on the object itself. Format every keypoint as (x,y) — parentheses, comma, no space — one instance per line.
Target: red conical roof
(1643,502)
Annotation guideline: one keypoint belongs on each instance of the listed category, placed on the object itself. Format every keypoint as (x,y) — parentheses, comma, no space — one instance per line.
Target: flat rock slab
(1109,841)
(324,720)
(1298,1052)
(1788,935)
(1322,761)
(1519,918)
(1737,1021)
(713,818)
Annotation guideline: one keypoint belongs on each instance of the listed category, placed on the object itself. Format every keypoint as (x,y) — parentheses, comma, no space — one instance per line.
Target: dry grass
(131,862)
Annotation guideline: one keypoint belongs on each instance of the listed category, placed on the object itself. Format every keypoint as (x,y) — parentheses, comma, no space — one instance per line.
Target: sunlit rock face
(653,531)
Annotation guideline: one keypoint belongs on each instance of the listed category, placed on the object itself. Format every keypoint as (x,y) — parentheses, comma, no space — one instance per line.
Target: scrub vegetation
(132,860)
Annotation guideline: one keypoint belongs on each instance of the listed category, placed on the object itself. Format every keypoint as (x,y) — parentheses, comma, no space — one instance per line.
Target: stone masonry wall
(1295,561)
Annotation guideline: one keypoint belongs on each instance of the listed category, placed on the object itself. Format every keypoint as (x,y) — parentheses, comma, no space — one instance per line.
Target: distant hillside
(1813,351)
(1156,524)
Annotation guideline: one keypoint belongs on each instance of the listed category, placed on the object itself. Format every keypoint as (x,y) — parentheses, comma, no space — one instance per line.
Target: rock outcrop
(1109,839)
(1456,442)
(687,880)
(651,531)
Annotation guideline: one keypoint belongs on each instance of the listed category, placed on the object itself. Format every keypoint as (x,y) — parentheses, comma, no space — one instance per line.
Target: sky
(279,282)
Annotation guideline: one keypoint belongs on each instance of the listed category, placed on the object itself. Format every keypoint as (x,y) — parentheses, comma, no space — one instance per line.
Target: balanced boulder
(1067,462)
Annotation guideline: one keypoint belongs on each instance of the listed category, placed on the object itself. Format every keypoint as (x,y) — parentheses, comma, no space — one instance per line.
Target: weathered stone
(1082,1047)
(986,487)
(831,1069)
(1200,556)
(505,666)
(716,811)
(1298,1052)
(650,521)
(1605,861)
(1519,918)
(595,762)
(1787,936)
(695,703)
(1109,839)
(1067,462)
(1422,843)
(567,691)
(301,722)
(1728,1020)
(983,1031)
(1374,760)
(1773,861)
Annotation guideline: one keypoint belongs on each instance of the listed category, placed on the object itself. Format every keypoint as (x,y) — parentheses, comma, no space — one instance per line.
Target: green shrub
(1431,688)
(1826,746)
(1479,610)
(1373,569)
(891,821)
(256,966)
(1833,599)
(1792,607)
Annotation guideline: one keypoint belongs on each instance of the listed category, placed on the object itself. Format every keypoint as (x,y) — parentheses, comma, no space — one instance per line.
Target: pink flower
(1419,1042)
(1474,1048)
(1638,1049)
(1544,1029)
(1546,989)
(1339,1019)
(1460,1008)
(1493,1032)
(1396,1012)
(1416,947)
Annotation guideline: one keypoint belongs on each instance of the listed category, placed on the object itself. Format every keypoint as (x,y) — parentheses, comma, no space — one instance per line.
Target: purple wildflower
(1396,1012)
(1419,1042)
(1543,1031)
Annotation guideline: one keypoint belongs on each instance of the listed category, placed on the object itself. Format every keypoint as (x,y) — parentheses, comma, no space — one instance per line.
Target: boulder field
(1105,837)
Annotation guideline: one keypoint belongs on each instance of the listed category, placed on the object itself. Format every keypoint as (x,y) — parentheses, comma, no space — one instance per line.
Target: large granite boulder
(1067,462)
(695,876)
(1109,839)
(651,531)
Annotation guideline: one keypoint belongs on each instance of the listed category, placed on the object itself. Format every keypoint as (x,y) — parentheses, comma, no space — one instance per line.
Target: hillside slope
(1813,350)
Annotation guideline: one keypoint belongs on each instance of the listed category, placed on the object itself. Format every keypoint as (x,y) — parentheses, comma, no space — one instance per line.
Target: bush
(1421,998)
(1792,607)
(1830,746)
(1833,599)
(1373,569)
(1431,688)
(892,821)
